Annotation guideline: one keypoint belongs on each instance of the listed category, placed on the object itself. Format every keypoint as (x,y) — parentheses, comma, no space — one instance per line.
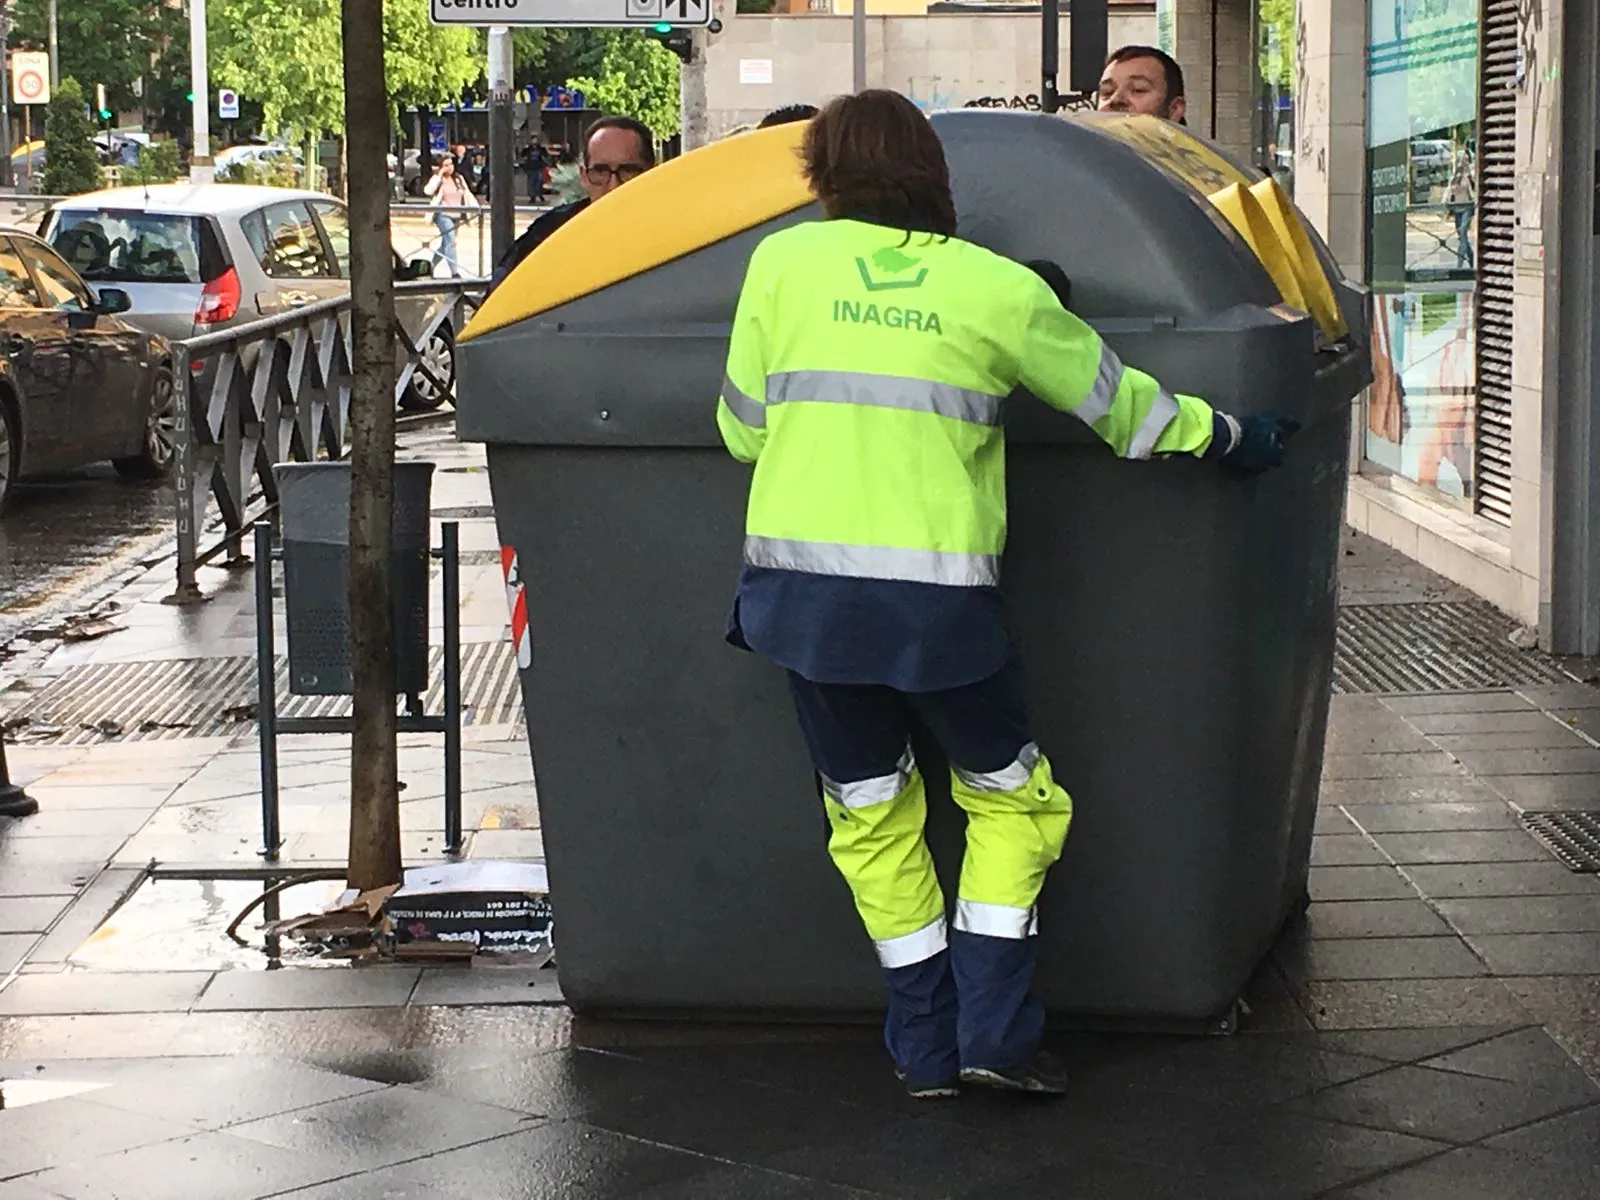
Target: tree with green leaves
(637,76)
(70,164)
(286,55)
(124,44)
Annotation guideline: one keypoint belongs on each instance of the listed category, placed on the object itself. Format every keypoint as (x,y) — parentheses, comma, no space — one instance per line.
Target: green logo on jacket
(890,260)
(891,316)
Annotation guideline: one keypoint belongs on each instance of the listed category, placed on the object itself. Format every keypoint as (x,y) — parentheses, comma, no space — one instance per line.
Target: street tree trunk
(374,785)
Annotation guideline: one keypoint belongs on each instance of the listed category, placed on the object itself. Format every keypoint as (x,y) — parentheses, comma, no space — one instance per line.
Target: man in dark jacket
(615,151)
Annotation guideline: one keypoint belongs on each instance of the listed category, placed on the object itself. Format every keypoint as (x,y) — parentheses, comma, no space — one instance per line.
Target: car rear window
(110,245)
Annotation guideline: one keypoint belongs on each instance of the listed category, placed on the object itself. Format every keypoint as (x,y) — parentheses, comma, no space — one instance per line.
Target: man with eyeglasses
(615,151)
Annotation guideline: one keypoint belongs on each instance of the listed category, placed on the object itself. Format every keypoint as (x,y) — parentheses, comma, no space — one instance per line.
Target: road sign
(227,104)
(570,12)
(30,77)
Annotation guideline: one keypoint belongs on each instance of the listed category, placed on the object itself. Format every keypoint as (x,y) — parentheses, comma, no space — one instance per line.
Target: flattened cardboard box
(493,905)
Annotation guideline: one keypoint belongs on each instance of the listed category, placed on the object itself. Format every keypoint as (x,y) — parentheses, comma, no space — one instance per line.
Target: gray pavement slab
(326,987)
(1480,1174)
(1374,919)
(487,985)
(57,1132)
(1524,914)
(13,946)
(373,1128)
(1583,760)
(31,914)
(1539,953)
(1434,703)
(203,1093)
(1346,850)
(1359,883)
(1380,958)
(1549,736)
(1396,1003)
(1358,792)
(1527,1056)
(1517,720)
(1462,846)
(1432,764)
(1567,791)
(45,879)
(1501,879)
(202,1166)
(1427,818)
(81,992)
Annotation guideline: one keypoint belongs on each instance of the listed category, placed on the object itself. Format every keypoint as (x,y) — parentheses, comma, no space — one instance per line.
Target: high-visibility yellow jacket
(866,376)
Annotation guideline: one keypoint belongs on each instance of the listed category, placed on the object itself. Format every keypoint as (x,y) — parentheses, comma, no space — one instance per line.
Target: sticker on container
(517,602)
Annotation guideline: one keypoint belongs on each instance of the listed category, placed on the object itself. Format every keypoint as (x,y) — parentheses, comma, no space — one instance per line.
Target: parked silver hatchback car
(196,258)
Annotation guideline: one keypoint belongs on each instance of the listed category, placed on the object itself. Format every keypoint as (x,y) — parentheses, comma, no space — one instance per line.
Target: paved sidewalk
(1429,1031)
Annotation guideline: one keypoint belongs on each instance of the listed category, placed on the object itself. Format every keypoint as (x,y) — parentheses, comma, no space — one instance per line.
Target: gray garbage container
(1176,622)
(314,499)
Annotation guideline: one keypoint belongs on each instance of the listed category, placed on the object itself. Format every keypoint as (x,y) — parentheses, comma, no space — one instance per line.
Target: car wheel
(160,434)
(439,356)
(10,445)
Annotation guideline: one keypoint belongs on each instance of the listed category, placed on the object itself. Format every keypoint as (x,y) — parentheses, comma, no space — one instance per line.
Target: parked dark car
(77,383)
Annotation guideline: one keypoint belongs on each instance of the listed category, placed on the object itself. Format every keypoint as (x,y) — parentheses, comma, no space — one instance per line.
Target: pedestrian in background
(446,190)
(871,355)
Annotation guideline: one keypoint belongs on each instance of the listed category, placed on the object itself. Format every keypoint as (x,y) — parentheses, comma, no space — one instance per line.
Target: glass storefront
(1274,115)
(1422,188)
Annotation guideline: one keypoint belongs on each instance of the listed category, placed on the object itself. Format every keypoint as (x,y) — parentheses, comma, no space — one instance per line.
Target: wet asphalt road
(64,537)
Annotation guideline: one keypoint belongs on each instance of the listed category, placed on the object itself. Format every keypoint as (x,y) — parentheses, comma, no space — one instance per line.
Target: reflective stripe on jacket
(866,378)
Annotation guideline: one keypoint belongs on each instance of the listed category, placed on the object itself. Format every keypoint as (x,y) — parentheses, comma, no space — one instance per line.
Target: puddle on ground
(181,925)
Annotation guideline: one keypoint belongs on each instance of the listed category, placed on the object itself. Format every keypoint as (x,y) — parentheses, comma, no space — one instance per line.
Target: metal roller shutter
(1497,248)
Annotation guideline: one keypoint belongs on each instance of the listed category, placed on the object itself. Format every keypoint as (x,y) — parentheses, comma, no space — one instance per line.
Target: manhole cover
(1454,646)
(1573,837)
(216,696)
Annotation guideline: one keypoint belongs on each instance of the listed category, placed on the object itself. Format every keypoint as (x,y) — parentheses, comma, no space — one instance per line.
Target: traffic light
(679,41)
(100,108)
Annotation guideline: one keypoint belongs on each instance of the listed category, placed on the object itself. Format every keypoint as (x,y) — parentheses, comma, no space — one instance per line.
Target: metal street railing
(278,390)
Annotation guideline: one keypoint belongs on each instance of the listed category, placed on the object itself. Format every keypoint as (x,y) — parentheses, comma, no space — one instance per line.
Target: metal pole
(267,696)
(5,94)
(450,589)
(858,44)
(1050,55)
(502,193)
(14,802)
(55,56)
(200,170)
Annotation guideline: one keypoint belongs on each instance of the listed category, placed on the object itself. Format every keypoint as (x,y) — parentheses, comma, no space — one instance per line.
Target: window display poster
(1420,406)
(1422,112)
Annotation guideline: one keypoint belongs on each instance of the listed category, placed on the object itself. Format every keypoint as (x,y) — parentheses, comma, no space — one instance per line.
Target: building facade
(1446,150)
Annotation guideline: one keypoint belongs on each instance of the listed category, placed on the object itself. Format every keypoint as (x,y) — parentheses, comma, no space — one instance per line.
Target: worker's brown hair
(873,156)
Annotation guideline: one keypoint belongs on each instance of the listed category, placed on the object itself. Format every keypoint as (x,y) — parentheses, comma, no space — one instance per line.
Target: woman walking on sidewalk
(447,190)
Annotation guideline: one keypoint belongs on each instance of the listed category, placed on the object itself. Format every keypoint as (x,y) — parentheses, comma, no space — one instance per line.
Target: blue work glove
(1251,444)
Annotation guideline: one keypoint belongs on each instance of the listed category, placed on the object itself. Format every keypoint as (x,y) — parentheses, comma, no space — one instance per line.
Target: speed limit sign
(30,77)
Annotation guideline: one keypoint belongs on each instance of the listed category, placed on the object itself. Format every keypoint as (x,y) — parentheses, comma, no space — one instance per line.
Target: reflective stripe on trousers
(948,567)
(1017,822)
(877,846)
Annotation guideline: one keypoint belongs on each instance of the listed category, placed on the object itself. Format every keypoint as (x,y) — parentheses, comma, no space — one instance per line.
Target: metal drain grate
(1573,837)
(1450,646)
(216,696)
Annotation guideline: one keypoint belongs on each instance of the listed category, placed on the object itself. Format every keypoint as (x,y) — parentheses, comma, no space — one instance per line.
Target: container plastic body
(1175,621)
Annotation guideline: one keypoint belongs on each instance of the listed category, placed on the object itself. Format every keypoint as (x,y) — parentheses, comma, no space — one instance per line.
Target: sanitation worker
(871,355)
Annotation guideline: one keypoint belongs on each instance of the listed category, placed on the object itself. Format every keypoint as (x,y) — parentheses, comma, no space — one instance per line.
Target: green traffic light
(189,96)
(661,27)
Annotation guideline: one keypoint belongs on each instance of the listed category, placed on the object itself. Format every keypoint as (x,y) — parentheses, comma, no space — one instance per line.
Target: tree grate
(1447,646)
(210,697)
(1573,837)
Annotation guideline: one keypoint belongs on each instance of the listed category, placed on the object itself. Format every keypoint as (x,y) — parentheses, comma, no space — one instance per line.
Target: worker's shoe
(1042,1075)
(942,1090)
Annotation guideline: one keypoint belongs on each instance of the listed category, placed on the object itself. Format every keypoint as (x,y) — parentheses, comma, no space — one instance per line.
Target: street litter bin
(1176,621)
(314,500)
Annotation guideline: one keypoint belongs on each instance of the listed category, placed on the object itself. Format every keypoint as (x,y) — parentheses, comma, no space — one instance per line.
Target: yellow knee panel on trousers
(880,851)
(1013,834)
